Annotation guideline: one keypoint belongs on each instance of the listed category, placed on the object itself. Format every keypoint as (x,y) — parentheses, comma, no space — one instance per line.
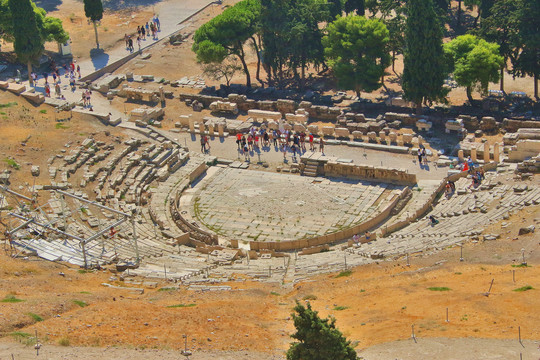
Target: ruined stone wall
(335,169)
(513,125)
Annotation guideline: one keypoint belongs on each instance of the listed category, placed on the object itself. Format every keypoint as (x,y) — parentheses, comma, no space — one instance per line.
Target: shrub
(11,299)
(181,305)
(80,303)
(524,288)
(36,317)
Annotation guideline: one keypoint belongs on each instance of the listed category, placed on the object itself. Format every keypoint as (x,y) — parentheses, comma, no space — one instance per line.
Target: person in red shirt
(238,139)
(311,147)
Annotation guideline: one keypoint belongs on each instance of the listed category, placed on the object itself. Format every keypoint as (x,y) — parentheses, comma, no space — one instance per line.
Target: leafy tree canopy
(474,62)
(318,339)
(356,49)
(93,9)
(50,28)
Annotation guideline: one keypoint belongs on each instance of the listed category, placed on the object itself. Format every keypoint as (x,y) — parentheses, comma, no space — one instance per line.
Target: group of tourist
(282,140)
(422,156)
(71,71)
(151,27)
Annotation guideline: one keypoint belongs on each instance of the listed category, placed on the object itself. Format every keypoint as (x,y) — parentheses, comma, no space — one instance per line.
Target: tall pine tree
(93,9)
(27,37)
(358,5)
(424,66)
(528,60)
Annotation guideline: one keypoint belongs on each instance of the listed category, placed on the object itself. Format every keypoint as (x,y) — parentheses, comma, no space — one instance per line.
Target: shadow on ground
(99,57)
(48,5)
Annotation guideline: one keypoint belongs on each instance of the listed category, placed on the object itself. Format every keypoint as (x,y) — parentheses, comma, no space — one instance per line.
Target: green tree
(396,27)
(292,38)
(27,36)
(93,9)
(51,28)
(356,50)
(359,6)
(502,27)
(424,66)
(318,339)
(227,33)
(474,62)
(335,9)
(528,59)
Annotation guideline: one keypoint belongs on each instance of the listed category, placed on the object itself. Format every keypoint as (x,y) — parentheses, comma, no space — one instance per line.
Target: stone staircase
(311,168)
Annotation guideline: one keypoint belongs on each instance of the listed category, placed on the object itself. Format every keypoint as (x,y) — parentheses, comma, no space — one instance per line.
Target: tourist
(147,28)
(126,40)
(139,42)
(311,145)
(266,139)
(83,98)
(46,77)
(244,142)
(256,142)
(303,141)
(275,137)
(57,90)
(72,82)
(424,156)
(246,152)
(368,236)
(238,139)
(293,149)
(130,41)
(452,185)
(47,90)
(138,30)
(419,154)
(356,239)
(432,220)
(54,77)
(79,71)
(88,97)
(321,144)
(158,24)
(153,30)
(250,142)
(206,143)
(203,144)
(143,32)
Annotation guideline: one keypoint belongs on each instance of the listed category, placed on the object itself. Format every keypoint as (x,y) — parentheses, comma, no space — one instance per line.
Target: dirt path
(424,349)
(453,349)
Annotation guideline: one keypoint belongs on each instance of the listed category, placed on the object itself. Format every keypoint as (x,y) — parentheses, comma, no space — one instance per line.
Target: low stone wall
(365,172)
(328,238)
(199,170)
(513,125)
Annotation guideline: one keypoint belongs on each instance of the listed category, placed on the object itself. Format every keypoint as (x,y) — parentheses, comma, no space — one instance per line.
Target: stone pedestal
(201,128)
(191,125)
(211,129)
(496,153)
(407,139)
(220,130)
(393,137)
(382,135)
(486,152)
(460,155)
(473,154)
